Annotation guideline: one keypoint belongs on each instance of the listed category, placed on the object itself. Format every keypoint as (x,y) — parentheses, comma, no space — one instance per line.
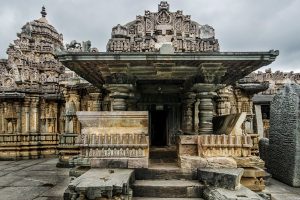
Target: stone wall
(284,144)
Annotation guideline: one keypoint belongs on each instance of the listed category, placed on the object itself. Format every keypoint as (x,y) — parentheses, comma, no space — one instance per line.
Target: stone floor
(41,180)
(32,179)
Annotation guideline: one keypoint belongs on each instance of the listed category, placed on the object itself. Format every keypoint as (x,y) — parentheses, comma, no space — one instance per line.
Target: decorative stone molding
(150,32)
(224,145)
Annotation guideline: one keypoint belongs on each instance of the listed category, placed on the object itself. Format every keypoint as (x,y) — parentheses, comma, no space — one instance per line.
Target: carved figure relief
(147,33)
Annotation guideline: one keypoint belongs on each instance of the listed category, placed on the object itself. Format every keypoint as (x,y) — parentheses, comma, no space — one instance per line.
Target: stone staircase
(165,180)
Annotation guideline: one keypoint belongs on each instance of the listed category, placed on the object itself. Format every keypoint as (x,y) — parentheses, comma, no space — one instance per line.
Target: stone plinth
(116,139)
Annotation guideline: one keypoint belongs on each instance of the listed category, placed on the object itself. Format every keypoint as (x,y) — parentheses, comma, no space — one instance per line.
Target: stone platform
(41,180)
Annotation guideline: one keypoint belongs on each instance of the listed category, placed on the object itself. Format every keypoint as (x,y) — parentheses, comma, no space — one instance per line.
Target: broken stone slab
(224,178)
(191,163)
(101,183)
(251,161)
(212,193)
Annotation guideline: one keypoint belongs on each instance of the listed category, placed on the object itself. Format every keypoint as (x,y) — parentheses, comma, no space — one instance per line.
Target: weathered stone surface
(99,183)
(254,172)
(284,143)
(251,161)
(194,162)
(109,163)
(254,184)
(111,139)
(166,27)
(243,193)
(221,162)
(134,163)
(224,178)
(168,188)
(264,149)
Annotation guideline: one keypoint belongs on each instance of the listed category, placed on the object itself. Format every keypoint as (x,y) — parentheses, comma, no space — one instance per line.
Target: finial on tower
(43,12)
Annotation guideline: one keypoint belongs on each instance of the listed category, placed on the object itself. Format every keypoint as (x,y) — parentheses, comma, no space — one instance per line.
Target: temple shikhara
(162,112)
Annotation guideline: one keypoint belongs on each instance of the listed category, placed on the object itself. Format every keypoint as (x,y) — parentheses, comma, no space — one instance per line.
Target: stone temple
(162,113)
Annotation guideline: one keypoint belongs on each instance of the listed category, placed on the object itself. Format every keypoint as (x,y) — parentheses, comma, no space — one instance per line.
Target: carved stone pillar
(188,125)
(1,117)
(95,97)
(206,112)
(72,105)
(205,92)
(196,114)
(19,116)
(223,104)
(34,117)
(119,93)
(26,115)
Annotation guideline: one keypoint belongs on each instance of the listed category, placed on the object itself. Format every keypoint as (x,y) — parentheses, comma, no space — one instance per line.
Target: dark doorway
(159,128)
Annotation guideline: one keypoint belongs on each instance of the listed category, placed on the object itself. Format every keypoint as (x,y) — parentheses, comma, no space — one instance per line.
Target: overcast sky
(240,25)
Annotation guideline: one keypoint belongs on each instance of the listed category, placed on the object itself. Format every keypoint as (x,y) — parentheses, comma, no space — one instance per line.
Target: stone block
(221,162)
(187,150)
(194,162)
(227,178)
(99,183)
(109,163)
(254,172)
(243,193)
(134,163)
(254,184)
(251,161)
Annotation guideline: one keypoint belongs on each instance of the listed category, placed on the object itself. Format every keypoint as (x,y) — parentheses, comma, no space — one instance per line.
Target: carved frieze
(149,32)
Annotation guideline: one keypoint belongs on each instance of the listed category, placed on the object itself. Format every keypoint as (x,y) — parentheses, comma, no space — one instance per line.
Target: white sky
(240,25)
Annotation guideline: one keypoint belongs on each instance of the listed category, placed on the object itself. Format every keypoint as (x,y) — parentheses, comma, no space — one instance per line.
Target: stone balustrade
(113,145)
(224,145)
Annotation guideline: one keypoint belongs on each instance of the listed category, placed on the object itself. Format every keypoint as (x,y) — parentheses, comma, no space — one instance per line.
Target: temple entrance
(158,127)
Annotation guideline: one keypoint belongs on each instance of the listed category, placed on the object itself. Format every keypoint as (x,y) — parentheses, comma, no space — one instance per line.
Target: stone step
(167,188)
(163,153)
(164,172)
(153,198)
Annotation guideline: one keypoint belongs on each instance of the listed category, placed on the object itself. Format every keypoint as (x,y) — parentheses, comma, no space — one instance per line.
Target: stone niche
(284,140)
(117,139)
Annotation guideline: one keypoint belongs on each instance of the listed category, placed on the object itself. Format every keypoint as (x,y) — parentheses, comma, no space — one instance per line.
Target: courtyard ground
(41,180)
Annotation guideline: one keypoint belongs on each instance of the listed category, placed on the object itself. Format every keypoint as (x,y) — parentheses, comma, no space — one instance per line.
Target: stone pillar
(95,97)
(19,116)
(119,93)
(206,112)
(34,117)
(196,115)
(1,117)
(223,107)
(26,115)
(187,122)
(205,92)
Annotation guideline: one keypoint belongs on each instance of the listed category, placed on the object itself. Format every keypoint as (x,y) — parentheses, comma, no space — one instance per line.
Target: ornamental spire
(43,12)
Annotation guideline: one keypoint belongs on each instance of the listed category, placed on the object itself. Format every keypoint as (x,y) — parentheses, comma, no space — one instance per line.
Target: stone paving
(32,179)
(41,180)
